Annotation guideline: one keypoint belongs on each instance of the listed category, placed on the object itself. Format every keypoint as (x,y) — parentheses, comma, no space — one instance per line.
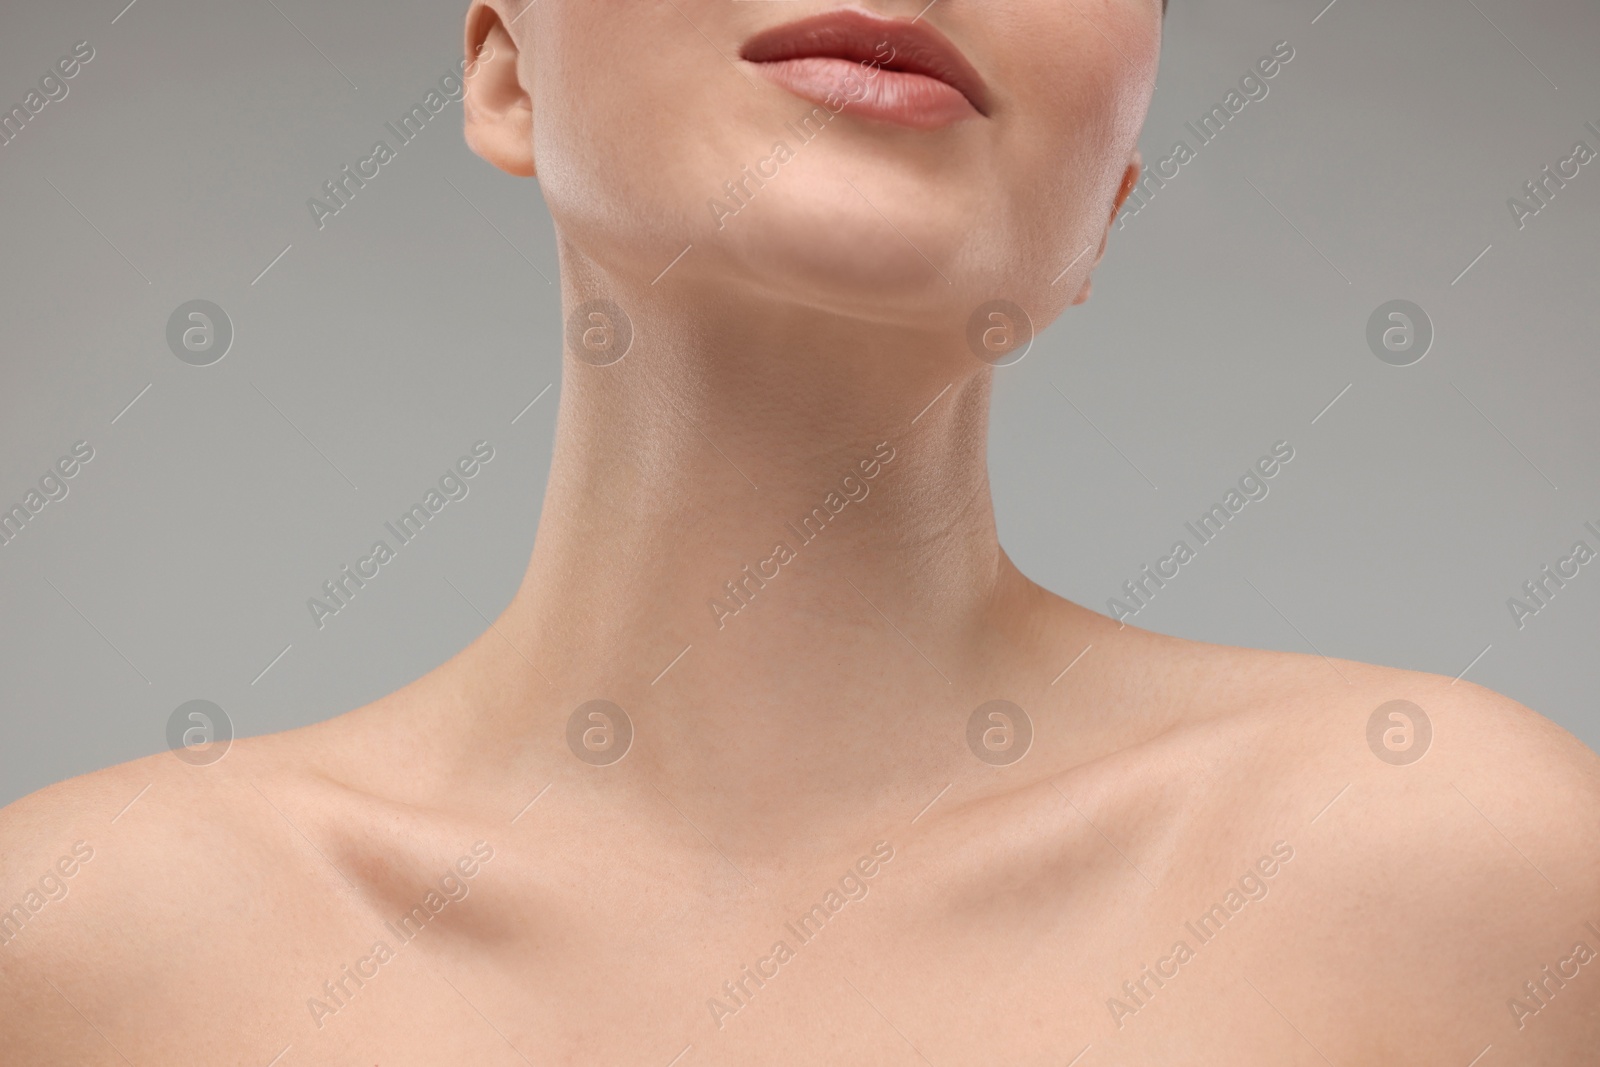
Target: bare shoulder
(1447,850)
(63,842)
(1408,731)
(134,888)
(136,815)
(138,826)
(161,882)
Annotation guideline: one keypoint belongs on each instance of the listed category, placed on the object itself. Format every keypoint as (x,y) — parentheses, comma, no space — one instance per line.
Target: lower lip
(896,96)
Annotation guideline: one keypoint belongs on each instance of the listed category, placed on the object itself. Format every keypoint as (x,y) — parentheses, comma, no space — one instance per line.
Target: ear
(497,106)
(1130,179)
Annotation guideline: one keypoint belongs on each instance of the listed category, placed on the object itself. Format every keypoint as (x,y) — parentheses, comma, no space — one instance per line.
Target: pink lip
(888,69)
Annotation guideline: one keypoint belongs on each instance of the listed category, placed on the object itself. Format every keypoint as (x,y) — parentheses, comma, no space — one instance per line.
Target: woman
(775,758)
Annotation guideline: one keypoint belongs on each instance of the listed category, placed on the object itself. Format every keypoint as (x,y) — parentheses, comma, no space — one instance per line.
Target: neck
(765,533)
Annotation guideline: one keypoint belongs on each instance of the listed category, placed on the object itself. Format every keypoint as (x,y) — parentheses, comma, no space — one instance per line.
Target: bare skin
(799,771)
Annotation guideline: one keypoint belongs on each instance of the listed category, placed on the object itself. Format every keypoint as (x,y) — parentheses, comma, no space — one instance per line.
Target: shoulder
(132,828)
(223,888)
(122,890)
(1447,849)
(1458,768)
(1408,735)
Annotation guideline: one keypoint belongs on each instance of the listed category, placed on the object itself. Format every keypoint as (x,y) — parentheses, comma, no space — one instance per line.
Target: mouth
(892,70)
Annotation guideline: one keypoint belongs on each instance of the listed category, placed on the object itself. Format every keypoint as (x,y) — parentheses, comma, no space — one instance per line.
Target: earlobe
(1130,179)
(497,107)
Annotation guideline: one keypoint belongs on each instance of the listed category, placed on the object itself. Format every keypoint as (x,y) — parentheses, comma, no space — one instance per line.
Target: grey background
(1228,315)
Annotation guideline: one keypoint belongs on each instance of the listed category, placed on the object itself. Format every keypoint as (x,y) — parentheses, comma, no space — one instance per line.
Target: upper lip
(917,48)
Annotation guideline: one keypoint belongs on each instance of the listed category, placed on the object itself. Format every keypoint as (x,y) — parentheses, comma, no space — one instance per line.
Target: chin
(826,246)
(809,239)
(850,223)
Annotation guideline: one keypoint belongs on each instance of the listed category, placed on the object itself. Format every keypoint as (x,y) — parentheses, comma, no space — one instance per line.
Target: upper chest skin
(1184,922)
(1227,894)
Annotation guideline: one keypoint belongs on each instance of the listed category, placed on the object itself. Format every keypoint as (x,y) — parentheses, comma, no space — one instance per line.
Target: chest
(884,960)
